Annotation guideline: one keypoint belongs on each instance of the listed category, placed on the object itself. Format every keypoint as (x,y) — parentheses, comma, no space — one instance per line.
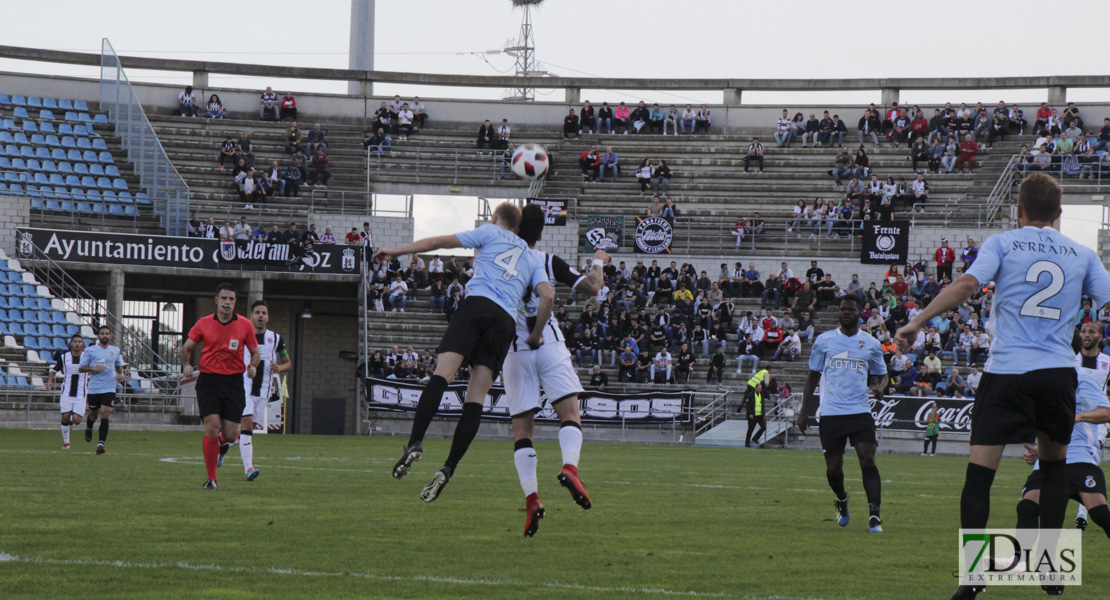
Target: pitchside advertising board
(907,413)
(186,253)
(554,210)
(885,243)
(596,407)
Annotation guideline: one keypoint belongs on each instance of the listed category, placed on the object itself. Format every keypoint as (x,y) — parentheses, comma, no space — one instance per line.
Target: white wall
(14,212)
(389,232)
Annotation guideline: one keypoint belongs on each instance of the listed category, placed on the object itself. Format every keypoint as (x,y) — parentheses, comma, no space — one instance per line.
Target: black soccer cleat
(410,455)
(210,484)
(436,485)
(1081,523)
(88,434)
(1053,590)
(841,507)
(968,592)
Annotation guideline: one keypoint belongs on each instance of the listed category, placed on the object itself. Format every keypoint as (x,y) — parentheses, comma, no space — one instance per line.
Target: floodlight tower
(525,51)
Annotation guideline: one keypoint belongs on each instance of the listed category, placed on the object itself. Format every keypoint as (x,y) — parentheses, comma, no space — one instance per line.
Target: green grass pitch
(326,520)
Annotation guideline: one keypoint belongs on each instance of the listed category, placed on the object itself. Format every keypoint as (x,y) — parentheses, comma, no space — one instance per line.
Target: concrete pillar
(115,301)
(1057,95)
(732,97)
(360,55)
(890,96)
(254,290)
(574,95)
(200,82)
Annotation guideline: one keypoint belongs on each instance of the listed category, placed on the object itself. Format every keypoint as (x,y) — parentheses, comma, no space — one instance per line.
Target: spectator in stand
(687,119)
(826,291)
(797,126)
(187,102)
(504,135)
(1071,114)
(945,256)
(892,114)
(353,236)
(813,128)
(919,127)
(843,165)
(671,118)
(936,154)
(938,126)
(215,109)
(605,119)
(246,149)
(268,102)
(487,137)
(398,293)
(919,192)
(274,235)
(288,107)
(211,230)
(784,130)
(329,237)
(227,232)
(291,179)
(248,188)
(798,218)
(586,119)
(825,130)
(968,150)
(702,120)
(656,120)
(317,141)
(293,138)
(319,172)
(383,118)
(969,254)
(622,117)
(1043,115)
(639,117)
(919,152)
(772,289)
(227,152)
(405,125)
(900,130)
(419,112)
(277,184)
(862,164)
(570,125)
(627,371)
(662,179)
(662,363)
(609,161)
(506,160)
(379,141)
(194,227)
(589,161)
(838,131)
(670,211)
(643,175)
(755,152)
(395,107)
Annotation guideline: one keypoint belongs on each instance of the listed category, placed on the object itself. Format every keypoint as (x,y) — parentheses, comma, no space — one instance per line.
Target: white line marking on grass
(11,558)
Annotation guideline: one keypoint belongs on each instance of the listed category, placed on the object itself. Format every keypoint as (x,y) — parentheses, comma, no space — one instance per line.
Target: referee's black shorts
(1012,408)
(481,331)
(221,395)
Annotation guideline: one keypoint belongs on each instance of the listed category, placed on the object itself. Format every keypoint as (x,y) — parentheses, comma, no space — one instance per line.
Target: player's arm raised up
(438,242)
(949,298)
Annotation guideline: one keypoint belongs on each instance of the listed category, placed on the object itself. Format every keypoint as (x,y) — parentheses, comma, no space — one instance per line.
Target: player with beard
(1091,360)
(845,362)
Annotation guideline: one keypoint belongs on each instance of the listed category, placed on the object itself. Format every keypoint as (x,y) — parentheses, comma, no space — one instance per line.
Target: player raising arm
(480,331)
(1028,387)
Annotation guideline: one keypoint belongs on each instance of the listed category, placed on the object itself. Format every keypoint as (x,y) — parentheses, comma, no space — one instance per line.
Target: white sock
(65,434)
(246,449)
(570,442)
(525,459)
(1082,512)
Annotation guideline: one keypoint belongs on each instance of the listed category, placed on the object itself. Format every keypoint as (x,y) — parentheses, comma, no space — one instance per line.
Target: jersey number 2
(1032,306)
(507,260)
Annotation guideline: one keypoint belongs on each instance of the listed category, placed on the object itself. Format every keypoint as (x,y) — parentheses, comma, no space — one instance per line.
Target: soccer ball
(530,161)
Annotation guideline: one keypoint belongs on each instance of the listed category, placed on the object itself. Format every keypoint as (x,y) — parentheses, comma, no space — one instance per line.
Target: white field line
(10,558)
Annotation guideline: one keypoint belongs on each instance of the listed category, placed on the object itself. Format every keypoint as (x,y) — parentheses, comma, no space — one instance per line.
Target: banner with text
(604,233)
(885,243)
(554,210)
(186,253)
(398,395)
(907,413)
(654,235)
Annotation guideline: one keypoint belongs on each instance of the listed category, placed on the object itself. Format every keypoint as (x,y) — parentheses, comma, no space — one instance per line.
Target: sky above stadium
(722,38)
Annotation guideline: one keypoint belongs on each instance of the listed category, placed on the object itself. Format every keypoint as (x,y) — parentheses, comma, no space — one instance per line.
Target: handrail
(1002,192)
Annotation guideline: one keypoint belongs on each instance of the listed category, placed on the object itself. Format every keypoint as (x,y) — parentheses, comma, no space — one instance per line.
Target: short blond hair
(508,215)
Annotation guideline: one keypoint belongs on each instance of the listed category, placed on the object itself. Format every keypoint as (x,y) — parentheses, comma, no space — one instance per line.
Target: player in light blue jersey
(846,362)
(481,330)
(1086,482)
(1028,386)
(103,362)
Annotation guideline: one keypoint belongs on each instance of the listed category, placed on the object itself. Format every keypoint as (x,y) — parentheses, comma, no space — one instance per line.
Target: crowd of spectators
(640,120)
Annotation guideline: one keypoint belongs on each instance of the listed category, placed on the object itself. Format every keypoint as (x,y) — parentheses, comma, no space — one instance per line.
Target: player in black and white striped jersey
(1093,361)
(74,385)
(549,367)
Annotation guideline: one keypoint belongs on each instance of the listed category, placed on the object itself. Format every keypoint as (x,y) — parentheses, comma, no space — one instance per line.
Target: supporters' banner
(186,253)
(885,242)
(654,235)
(907,413)
(554,210)
(604,233)
(399,395)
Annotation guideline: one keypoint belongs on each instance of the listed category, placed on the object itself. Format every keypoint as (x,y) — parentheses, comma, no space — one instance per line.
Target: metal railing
(1068,169)
(455,162)
(712,414)
(163,184)
(331,202)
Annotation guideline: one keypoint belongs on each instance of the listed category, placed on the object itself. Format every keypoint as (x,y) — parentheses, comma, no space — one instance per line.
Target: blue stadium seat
(85,208)
(92,195)
(111,171)
(12,177)
(29,292)
(65,104)
(12,277)
(60,193)
(36,203)
(53,205)
(68,142)
(88,182)
(115,209)
(81,130)
(108,196)
(44,330)
(6,138)
(84,117)
(4,315)
(32,342)
(42,153)
(52,141)
(118,184)
(97,170)
(105,157)
(130,211)
(15,188)
(64,167)
(46,356)
(41,179)
(34,102)
(37,139)
(5,100)
(34,165)
(100,119)
(80,105)
(141,198)
(20,113)
(84,143)
(4,124)
(29,316)
(59,317)
(48,102)
(76,156)
(21,383)
(72,117)
(98,144)
(60,344)
(98,209)
(46,128)
(80,168)
(9,124)
(11,149)
(105,184)
(58,154)
(21,139)
(49,166)
(125,198)
(74,181)
(46,115)
(56,179)
(67,206)
(89,156)
(19,100)
(30,126)
(5,163)
(26,152)
(65,129)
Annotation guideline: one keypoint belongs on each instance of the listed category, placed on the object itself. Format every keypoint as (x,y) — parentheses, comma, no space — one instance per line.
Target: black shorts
(1082,477)
(481,331)
(1012,408)
(221,395)
(98,400)
(854,429)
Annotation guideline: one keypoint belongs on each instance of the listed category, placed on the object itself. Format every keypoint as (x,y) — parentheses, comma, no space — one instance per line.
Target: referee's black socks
(464,433)
(1054,494)
(430,399)
(975,501)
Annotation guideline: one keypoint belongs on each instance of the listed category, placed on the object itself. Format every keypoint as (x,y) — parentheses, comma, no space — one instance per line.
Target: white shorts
(255,405)
(74,405)
(548,367)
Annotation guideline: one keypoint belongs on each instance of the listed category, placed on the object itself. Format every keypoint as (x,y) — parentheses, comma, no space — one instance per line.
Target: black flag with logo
(885,242)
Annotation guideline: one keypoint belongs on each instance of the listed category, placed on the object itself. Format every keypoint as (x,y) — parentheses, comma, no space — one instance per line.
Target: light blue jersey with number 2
(1040,278)
(504,269)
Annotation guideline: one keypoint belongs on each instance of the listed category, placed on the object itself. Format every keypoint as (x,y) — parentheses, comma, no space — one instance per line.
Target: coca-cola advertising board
(907,413)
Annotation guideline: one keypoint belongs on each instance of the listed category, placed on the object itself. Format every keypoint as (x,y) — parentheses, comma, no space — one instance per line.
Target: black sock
(426,408)
(89,423)
(464,433)
(524,443)
(975,501)
(836,482)
(873,487)
(1101,516)
(1054,494)
(1029,514)
(103,430)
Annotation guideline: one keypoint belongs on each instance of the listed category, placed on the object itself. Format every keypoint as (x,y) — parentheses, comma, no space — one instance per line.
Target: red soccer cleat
(533,512)
(65,446)
(568,478)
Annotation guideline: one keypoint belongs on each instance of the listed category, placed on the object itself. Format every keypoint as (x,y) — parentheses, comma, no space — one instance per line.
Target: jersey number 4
(507,261)
(1032,306)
